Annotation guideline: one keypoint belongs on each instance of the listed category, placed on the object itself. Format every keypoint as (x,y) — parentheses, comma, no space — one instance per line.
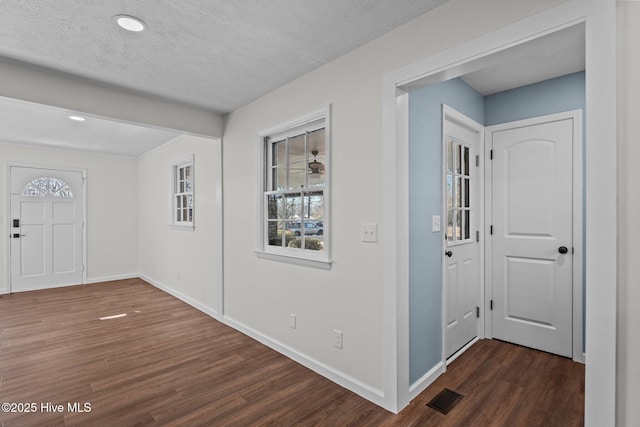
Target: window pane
(467,224)
(280,178)
(280,153)
(466,160)
(458,193)
(274,233)
(297,175)
(449,156)
(178,202)
(292,207)
(449,191)
(297,149)
(181,174)
(317,142)
(275,206)
(450,220)
(314,206)
(458,230)
(467,181)
(458,157)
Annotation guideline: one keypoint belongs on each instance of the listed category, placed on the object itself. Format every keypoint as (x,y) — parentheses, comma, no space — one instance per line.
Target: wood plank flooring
(165,363)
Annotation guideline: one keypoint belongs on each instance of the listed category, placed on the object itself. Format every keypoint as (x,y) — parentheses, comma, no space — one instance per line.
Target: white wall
(112,207)
(181,262)
(260,294)
(629,205)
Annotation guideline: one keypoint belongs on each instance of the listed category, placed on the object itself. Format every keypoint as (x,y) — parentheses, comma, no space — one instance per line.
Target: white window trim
(307,258)
(176,163)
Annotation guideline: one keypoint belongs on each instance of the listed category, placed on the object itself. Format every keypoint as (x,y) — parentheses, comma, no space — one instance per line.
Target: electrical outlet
(292,321)
(338,338)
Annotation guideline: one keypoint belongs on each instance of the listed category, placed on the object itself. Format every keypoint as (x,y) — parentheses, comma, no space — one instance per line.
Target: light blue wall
(548,97)
(425,187)
(425,200)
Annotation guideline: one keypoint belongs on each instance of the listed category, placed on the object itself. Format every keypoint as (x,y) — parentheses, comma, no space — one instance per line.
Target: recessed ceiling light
(77,118)
(130,23)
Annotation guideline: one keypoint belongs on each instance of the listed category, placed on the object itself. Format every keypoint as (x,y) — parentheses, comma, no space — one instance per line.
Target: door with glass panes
(461,257)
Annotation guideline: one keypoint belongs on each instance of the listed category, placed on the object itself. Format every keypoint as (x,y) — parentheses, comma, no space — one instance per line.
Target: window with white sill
(295,197)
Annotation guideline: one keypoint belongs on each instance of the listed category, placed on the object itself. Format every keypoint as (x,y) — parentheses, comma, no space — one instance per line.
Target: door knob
(449,254)
(563,249)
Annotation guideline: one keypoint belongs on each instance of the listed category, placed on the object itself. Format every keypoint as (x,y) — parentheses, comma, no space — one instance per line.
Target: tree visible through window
(296,165)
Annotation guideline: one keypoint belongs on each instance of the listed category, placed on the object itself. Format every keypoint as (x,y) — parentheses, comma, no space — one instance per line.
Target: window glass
(295,191)
(46,186)
(183,198)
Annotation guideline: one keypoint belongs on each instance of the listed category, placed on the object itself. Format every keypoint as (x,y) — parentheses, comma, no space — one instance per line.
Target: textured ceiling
(216,55)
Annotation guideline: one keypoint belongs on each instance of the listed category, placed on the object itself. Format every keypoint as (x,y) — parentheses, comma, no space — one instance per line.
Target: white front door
(462,179)
(532,239)
(45,228)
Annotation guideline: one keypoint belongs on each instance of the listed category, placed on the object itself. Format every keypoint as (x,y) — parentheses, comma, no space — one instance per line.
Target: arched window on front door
(47,186)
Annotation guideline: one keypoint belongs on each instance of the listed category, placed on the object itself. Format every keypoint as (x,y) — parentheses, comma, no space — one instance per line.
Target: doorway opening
(600,203)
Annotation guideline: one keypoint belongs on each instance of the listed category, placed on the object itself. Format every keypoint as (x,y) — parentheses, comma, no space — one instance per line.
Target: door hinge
(478,312)
(491,230)
(490,154)
(477,161)
(477,236)
(491,305)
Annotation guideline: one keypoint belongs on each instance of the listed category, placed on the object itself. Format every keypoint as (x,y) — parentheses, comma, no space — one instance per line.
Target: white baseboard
(92,280)
(372,394)
(426,380)
(195,304)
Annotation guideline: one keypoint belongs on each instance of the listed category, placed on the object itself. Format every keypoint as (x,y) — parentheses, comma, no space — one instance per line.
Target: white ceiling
(214,55)
(553,55)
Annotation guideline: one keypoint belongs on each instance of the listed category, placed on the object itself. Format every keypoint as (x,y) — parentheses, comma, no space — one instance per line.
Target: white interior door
(533,234)
(462,181)
(45,228)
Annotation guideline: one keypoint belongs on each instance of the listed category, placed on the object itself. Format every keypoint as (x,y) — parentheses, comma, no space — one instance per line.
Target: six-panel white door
(45,228)
(462,250)
(532,235)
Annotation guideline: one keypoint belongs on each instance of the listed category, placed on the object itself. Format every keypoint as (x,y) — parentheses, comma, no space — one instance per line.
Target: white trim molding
(370,393)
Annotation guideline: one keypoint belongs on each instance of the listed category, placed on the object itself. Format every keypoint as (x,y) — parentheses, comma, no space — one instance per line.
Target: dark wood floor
(166,363)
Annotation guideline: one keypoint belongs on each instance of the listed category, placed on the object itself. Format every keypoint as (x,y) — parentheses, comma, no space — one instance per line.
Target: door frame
(449,113)
(601,198)
(83,173)
(577,218)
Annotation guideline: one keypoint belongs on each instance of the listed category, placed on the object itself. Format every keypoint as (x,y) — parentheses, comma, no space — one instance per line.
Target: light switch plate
(435,223)
(370,233)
